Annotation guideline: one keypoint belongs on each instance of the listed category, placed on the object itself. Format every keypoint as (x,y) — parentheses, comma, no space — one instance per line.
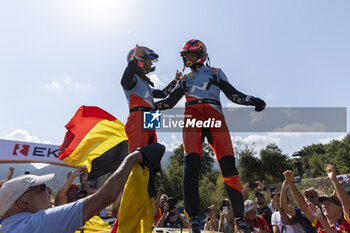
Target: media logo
(23,149)
(152,120)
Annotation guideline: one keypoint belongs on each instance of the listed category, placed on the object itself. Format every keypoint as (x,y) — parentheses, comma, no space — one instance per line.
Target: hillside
(56,183)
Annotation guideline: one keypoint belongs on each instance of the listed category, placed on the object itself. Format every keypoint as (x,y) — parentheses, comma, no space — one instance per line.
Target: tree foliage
(274,163)
(335,152)
(268,168)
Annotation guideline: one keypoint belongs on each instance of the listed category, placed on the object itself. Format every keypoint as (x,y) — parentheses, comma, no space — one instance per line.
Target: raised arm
(245,189)
(285,218)
(61,196)
(283,200)
(262,187)
(167,90)
(128,80)
(299,198)
(85,182)
(157,202)
(111,188)
(340,192)
(165,214)
(10,173)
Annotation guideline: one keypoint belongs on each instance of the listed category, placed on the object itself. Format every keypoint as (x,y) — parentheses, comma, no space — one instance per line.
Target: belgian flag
(95,139)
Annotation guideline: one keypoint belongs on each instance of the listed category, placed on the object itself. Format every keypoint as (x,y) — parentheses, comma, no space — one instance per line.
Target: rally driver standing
(201,88)
(139,91)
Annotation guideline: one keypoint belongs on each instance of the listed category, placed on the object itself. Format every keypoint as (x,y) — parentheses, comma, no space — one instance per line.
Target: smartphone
(342,178)
(252,185)
(224,208)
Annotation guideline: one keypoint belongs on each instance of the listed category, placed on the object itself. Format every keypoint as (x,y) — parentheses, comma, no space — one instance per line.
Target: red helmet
(196,46)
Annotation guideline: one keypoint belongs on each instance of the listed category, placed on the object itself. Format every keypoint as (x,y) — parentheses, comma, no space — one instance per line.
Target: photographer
(263,208)
(67,192)
(171,217)
(211,222)
(226,224)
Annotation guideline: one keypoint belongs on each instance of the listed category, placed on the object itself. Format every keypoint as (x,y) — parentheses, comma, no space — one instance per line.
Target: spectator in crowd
(297,215)
(80,194)
(274,203)
(299,167)
(10,173)
(336,208)
(67,192)
(262,208)
(159,206)
(211,222)
(255,222)
(280,221)
(73,189)
(171,217)
(259,187)
(24,202)
(226,223)
(307,169)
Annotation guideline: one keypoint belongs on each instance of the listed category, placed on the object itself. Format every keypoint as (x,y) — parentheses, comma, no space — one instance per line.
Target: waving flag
(95,139)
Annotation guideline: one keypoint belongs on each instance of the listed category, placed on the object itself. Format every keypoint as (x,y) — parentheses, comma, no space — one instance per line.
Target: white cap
(249,205)
(14,188)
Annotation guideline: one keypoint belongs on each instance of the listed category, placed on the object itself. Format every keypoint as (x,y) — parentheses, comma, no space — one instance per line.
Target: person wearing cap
(211,222)
(68,190)
(335,208)
(24,201)
(255,222)
(262,208)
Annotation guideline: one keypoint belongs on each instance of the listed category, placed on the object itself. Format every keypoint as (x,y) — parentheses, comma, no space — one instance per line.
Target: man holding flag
(24,200)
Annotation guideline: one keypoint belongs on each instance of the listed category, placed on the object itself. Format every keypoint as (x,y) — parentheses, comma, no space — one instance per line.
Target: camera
(252,185)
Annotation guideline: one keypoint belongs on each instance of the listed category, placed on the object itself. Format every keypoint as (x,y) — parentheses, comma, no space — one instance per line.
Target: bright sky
(58,55)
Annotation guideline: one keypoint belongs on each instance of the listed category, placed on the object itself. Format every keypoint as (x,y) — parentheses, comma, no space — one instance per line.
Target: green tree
(335,152)
(249,166)
(274,163)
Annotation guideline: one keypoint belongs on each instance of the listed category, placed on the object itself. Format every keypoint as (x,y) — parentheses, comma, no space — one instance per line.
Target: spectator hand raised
(288,176)
(76,172)
(331,172)
(10,173)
